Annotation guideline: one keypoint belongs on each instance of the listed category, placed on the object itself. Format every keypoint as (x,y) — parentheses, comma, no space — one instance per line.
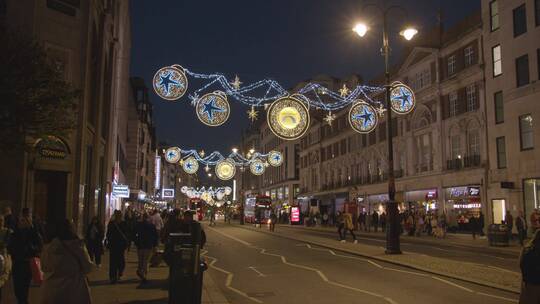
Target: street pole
(393,222)
(242,197)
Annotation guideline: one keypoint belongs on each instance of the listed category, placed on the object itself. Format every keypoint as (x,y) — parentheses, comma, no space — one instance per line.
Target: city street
(254,267)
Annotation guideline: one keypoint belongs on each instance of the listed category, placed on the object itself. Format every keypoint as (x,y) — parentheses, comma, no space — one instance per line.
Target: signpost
(120,191)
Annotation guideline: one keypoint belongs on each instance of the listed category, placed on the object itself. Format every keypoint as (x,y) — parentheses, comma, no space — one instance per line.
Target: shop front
(417,200)
(462,203)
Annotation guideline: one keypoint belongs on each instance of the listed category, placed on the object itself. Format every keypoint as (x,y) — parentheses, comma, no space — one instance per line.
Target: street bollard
(182,253)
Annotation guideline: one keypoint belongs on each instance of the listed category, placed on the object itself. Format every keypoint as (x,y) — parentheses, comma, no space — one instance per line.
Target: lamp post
(393,223)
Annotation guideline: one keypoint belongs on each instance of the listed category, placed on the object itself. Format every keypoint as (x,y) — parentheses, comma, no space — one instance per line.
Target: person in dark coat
(146,239)
(529,263)
(509,221)
(94,240)
(375,220)
(117,243)
(129,223)
(481,223)
(521,226)
(473,225)
(9,220)
(382,221)
(25,243)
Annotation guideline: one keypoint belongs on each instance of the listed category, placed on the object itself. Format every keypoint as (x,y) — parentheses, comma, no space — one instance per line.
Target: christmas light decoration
(275,158)
(363,117)
(225,169)
(170,83)
(402,98)
(213,109)
(288,118)
(257,167)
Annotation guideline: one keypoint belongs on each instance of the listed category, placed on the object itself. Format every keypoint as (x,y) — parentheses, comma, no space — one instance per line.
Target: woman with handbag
(24,247)
(117,243)
(65,263)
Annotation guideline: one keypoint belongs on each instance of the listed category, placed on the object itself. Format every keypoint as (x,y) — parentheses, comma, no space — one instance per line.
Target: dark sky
(286,40)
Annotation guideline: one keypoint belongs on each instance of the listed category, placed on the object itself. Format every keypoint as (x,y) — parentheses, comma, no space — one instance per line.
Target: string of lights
(215,157)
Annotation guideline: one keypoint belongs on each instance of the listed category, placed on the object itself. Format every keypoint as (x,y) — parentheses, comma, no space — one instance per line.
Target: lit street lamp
(393,223)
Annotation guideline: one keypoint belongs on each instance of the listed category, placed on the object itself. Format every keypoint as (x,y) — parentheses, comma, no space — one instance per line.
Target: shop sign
(467,206)
(120,191)
(51,147)
(295,214)
(432,194)
(458,192)
(167,193)
(474,191)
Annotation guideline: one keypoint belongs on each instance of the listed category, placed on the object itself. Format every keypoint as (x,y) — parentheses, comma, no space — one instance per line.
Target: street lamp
(234,150)
(393,230)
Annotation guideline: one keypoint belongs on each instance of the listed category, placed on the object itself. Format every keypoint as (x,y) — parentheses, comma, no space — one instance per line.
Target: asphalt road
(253,267)
(491,257)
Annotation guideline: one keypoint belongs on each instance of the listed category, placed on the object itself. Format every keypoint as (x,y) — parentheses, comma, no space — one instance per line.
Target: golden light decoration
(213,109)
(288,118)
(252,114)
(257,167)
(225,169)
(190,165)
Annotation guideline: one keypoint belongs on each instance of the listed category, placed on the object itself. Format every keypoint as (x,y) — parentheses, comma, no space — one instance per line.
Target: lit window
(526,134)
(497,60)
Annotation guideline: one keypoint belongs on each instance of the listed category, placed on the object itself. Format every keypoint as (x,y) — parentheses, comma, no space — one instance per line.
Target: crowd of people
(53,256)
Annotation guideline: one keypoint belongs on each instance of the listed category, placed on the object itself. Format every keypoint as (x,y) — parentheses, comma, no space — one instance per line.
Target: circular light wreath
(363,117)
(402,99)
(225,169)
(191,165)
(170,83)
(213,109)
(288,118)
(275,158)
(172,155)
(257,167)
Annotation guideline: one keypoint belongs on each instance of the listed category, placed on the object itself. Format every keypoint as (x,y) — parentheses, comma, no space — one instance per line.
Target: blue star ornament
(402,99)
(171,155)
(166,81)
(258,167)
(210,107)
(189,165)
(366,117)
(277,158)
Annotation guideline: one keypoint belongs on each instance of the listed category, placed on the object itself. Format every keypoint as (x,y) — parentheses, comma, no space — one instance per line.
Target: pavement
(129,290)
(252,265)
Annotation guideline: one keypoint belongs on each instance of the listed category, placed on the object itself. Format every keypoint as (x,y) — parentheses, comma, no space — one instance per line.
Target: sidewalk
(129,290)
(470,272)
(451,238)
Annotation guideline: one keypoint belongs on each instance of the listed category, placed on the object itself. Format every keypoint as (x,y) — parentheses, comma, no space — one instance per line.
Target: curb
(352,252)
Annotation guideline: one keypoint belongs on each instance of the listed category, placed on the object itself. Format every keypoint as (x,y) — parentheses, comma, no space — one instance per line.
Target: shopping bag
(37,274)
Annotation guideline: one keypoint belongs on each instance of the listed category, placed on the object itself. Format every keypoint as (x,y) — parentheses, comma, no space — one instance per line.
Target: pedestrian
(25,243)
(521,226)
(382,220)
(419,224)
(157,221)
(535,220)
(375,220)
(340,224)
(9,220)
(530,270)
(410,224)
(347,226)
(117,243)
(362,221)
(212,216)
(94,240)
(481,223)
(325,219)
(146,239)
(129,223)
(65,263)
(473,225)
(273,220)
(509,221)
(5,261)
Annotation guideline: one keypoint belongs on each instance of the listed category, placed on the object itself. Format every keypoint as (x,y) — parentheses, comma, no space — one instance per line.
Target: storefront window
(531,191)
(280,193)
(286,192)
(461,204)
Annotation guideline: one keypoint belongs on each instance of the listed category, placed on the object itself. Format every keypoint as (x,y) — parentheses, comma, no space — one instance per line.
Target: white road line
(453,284)
(497,297)
(228,280)
(502,269)
(230,236)
(258,272)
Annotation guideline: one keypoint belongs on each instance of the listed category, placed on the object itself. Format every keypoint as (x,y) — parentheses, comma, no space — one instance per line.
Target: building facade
(512,50)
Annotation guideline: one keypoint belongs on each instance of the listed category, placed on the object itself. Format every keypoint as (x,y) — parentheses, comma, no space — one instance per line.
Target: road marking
(258,272)
(230,236)
(453,284)
(498,297)
(502,269)
(228,280)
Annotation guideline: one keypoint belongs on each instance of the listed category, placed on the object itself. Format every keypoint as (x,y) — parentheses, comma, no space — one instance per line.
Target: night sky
(286,40)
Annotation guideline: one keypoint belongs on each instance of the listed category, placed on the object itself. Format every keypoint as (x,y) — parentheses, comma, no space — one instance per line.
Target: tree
(35,100)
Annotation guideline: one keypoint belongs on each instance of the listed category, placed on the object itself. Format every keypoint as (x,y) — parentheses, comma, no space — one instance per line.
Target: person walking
(65,263)
(146,239)
(157,221)
(348,226)
(273,220)
(481,223)
(375,220)
(382,220)
(25,243)
(340,224)
(473,225)
(529,263)
(362,221)
(5,234)
(94,240)
(509,221)
(535,220)
(521,226)
(117,243)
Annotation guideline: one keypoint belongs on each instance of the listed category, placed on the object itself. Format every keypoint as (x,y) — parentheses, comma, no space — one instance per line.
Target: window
(499,107)
(526,135)
(474,143)
(455,146)
(538,61)
(494,14)
(537,12)
(522,71)
(497,60)
(469,55)
(501,152)
(452,98)
(452,65)
(471,98)
(520,20)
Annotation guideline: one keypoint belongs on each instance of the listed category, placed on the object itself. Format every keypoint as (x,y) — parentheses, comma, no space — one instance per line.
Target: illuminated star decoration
(236,83)
(165,81)
(405,97)
(277,158)
(344,91)
(366,116)
(210,107)
(330,118)
(252,114)
(171,155)
(258,167)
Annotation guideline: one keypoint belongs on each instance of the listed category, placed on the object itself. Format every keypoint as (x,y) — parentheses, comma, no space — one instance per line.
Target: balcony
(472,161)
